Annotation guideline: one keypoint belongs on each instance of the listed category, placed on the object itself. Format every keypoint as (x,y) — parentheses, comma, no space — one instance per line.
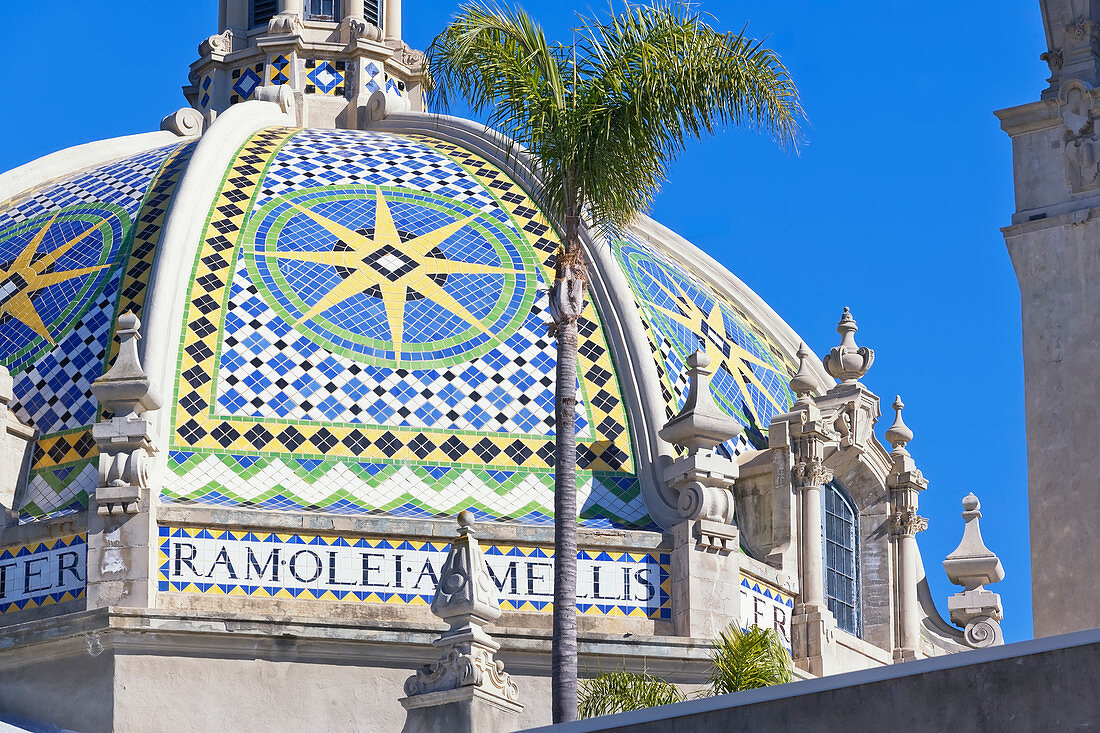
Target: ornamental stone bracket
(973,566)
(124,440)
(1077,105)
(466,690)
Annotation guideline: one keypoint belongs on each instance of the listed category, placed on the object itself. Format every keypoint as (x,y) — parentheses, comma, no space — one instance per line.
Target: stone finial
(465,598)
(125,389)
(973,566)
(701,424)
(803,383)
(899,434)
(848,362)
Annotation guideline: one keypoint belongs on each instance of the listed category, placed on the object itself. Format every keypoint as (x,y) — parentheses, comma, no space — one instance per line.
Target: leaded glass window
(841,557)
(322,9)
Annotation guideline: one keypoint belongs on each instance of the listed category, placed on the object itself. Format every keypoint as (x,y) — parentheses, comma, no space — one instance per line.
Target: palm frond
(618,692)
(745,660)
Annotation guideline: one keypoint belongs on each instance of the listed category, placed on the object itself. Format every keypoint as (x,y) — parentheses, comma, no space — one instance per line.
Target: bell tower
(1054,243)
(344,60)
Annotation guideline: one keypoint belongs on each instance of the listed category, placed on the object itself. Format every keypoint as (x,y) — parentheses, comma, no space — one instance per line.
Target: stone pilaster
(706,569)
(1053,240)
(122,541)
(905,483)
(813,626)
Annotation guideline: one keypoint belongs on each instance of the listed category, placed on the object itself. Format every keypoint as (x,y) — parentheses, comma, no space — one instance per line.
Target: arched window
(841,557)
(262,11)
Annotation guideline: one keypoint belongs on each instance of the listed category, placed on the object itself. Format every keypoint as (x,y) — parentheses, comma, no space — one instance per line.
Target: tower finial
(802,383)
(848,362)
(899,434)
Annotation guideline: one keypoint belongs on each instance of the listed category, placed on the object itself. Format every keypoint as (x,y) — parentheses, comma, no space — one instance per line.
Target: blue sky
(892,208)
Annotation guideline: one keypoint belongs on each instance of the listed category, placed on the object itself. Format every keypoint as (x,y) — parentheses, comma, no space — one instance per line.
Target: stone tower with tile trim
(1054,240)
(343,60)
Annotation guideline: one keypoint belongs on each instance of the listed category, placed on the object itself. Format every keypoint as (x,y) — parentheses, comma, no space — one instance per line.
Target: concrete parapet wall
(1045,684)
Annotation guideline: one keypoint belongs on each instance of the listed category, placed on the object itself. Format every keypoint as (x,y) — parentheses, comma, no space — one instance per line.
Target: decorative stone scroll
(973,566)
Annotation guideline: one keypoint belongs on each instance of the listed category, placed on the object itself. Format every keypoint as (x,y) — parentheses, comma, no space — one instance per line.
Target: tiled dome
(363,330)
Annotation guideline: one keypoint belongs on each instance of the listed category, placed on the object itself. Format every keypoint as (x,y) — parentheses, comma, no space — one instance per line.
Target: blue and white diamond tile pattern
(63,245)
(683,314)
(205,84)
(325,77)
(245,82)
(376,79)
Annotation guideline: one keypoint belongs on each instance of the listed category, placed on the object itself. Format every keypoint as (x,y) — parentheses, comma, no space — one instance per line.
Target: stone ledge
(318,640)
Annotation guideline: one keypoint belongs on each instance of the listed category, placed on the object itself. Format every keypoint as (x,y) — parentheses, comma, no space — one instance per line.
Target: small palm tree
(601,118)
(739,660)
(744,660)
(618,692)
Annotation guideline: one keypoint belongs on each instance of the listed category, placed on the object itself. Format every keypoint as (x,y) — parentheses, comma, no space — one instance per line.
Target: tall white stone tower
(344,60)
(1054,242)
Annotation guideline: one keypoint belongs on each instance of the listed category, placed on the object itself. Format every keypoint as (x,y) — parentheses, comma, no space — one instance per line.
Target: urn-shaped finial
(899,434)
(802,383)
(848,362)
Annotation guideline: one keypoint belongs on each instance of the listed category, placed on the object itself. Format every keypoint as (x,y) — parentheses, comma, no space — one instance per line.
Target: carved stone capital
(907,522)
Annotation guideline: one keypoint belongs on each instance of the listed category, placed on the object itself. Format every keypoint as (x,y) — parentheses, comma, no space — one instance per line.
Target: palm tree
(601,119)
(739,660)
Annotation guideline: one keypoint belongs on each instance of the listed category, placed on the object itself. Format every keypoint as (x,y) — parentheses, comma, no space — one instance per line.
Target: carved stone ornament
(973,566)
(410,57)
(466,599)
(124,440)
(848,362)
(221,43)
(285,24)
(812,473)
(352,29)
(907,521)
(185,122)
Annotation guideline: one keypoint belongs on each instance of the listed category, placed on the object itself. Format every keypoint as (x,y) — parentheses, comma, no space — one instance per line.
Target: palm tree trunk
(567,300)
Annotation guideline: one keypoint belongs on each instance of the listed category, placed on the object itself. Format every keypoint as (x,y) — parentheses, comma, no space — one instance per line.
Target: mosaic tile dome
(363,331)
